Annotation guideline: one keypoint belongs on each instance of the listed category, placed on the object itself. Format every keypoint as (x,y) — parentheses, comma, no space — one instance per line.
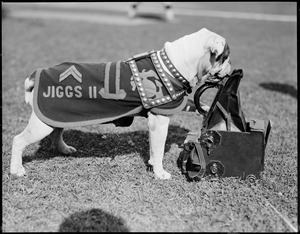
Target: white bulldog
(197,57)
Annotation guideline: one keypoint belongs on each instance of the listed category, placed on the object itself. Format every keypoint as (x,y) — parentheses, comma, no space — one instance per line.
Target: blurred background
(47,33)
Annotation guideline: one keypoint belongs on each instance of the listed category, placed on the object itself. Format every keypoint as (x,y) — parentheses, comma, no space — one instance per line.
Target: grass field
(105,185)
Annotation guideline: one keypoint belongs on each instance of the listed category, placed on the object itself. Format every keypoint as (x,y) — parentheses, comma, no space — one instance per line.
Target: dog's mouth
(215,78)
(208,77)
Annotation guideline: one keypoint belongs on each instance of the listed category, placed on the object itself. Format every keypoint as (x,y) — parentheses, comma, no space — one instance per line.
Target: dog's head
(199,56)
(216,62)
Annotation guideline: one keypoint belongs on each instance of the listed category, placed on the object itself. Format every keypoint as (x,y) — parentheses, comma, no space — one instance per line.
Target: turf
(105,186)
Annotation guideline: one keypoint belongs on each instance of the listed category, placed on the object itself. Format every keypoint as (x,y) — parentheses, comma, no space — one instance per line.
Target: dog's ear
(225,54)
(215,44)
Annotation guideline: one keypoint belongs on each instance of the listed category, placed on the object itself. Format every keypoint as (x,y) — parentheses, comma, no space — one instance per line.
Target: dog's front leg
(158,130)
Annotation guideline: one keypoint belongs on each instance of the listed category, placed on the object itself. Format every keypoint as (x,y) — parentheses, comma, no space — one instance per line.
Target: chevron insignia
(71,71)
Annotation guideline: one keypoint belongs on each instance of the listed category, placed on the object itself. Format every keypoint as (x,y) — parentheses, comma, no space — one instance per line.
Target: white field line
(121,7)
(285,219)
(83,17)
(240,15)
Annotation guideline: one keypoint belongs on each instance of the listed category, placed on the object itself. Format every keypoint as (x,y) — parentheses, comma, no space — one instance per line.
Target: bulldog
(154,85)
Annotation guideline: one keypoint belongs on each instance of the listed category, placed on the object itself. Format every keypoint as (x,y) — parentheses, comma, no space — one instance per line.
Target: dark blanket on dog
(77,94)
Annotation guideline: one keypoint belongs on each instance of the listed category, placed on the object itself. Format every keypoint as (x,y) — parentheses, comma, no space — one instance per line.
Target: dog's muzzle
(217,72)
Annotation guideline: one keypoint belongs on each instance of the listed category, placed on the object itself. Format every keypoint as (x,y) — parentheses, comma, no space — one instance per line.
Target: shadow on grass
(283,88)
(94,220)
(151,16)
(106,145)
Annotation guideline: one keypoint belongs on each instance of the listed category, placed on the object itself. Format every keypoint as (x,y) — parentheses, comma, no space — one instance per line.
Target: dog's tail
(28,85)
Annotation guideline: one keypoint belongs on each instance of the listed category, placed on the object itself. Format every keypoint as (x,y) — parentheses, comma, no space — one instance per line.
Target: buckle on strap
(140,56)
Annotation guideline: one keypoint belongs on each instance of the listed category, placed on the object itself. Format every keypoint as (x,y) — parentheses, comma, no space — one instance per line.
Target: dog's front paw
(18,171)
(162,174)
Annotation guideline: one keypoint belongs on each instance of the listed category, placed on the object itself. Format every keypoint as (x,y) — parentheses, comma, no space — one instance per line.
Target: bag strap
(226,115)
(184,162)
(198,150)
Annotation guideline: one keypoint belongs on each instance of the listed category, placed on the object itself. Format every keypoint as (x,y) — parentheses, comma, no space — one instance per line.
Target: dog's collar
(174,72)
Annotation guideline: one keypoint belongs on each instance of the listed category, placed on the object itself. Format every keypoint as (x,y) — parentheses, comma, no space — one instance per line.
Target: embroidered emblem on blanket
(77,94)
(153,87)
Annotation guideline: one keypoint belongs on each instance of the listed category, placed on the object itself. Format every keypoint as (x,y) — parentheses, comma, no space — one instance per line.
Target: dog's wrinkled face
(221,64)
(216,65)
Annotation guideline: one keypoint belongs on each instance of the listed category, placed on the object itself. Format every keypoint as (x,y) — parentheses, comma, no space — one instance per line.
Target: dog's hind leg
(35,131)
(158,130)
(57,138)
